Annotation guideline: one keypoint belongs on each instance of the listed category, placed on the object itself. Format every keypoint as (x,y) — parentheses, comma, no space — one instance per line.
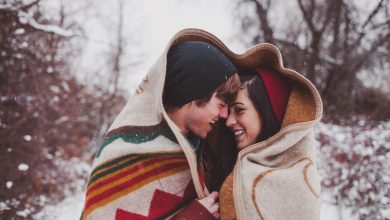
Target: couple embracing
(211,134)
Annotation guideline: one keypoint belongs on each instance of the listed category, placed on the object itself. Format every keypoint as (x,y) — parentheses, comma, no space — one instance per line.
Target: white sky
(148,26)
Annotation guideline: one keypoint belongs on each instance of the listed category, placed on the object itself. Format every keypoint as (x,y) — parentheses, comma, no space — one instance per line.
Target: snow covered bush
(355,168)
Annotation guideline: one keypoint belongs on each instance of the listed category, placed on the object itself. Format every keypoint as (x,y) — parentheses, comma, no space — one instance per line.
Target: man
(146,166)
(200,82)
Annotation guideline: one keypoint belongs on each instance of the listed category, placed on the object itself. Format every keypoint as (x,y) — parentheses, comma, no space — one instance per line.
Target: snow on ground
(70,208)
(332,212)
(67,209)
(329,212)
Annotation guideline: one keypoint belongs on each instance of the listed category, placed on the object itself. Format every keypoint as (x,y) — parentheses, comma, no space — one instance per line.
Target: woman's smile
(239,134)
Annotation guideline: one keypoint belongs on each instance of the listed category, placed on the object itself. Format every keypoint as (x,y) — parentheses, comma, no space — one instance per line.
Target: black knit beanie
(194,70)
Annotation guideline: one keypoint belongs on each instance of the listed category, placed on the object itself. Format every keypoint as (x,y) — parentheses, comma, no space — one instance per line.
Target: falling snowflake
(9,184)
(23,167)
(27,137)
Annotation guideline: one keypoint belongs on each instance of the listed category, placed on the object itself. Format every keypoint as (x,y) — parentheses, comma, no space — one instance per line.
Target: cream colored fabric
(283,185)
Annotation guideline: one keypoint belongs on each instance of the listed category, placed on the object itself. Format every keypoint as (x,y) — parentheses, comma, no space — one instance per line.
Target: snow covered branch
(15,6)
(27,18)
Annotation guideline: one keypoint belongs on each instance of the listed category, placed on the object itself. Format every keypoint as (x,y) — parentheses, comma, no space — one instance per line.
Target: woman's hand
(210,202)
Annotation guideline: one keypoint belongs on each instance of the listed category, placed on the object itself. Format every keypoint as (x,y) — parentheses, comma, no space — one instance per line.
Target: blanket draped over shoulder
(144,168)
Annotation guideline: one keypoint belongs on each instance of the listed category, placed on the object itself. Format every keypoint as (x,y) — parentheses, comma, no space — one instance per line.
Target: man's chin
(203,135)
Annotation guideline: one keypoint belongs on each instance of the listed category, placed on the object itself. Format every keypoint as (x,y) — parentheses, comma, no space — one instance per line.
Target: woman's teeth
(238,132)
(212,123)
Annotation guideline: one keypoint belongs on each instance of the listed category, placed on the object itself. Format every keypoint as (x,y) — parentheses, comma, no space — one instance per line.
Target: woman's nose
(231,120)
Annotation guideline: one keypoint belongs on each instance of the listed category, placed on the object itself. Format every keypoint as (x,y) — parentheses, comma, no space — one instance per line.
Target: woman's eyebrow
(237,103)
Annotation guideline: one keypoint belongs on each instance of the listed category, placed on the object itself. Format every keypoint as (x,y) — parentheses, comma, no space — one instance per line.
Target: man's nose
(224,112)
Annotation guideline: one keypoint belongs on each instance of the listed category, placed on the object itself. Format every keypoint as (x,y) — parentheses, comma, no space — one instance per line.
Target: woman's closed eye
(238,110)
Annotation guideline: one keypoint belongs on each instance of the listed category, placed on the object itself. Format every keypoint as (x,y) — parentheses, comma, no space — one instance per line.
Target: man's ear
(189,106)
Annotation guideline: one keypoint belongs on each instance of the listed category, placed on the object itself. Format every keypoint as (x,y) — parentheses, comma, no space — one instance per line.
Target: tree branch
(26,18)
(329,15)
(19,6)
(307,15)
(264,24)
(368,20)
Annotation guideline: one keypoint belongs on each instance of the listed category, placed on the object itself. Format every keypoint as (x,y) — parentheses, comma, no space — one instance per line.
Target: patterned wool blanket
(145,168)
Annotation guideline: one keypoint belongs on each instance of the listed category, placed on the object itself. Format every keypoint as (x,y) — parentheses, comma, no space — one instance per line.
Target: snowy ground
(70,208)
(67,209)
(331,212)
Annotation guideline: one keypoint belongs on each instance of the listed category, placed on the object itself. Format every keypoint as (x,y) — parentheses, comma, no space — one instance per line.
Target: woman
(274,175)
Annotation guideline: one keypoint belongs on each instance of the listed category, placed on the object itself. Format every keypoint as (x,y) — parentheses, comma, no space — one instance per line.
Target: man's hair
(227,92)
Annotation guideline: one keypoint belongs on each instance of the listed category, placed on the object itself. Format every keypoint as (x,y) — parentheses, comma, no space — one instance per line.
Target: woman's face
(244,120)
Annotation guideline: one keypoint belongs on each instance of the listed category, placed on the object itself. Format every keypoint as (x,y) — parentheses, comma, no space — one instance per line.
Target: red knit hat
(278,91)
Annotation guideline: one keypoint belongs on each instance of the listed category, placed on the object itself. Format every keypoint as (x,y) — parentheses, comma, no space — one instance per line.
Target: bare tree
(340,44)
(115,58)
(46,115)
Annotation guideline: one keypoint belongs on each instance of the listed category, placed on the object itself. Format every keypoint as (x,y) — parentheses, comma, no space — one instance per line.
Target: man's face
(201,119)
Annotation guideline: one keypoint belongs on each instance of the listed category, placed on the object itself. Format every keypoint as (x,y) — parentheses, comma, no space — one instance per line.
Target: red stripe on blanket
(133,183)
(127,171)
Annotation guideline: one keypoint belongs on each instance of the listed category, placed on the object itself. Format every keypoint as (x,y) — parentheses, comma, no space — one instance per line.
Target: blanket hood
(145,107)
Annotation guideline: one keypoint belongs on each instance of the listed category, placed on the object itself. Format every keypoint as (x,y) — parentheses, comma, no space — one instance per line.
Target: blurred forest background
(68,67)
